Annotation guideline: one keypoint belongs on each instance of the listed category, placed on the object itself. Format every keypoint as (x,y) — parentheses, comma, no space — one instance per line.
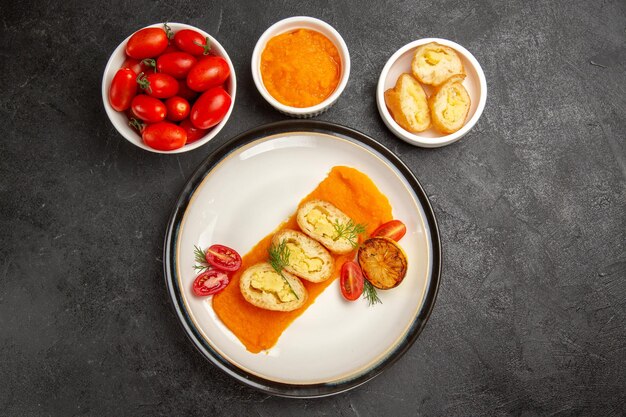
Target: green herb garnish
(200,258)
(370,294)
(349,231)
(279,259)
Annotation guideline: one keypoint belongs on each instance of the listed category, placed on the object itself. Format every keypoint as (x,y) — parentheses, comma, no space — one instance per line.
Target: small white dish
(475,84)
(119,119)
(287,25)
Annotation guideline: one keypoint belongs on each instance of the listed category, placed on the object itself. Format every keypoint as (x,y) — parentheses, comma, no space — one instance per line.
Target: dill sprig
(370,294)
(279,256)
(200,258)
(279,259)
(349,231)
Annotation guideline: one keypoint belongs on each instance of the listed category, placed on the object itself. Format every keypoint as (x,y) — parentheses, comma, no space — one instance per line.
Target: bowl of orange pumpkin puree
(301,65)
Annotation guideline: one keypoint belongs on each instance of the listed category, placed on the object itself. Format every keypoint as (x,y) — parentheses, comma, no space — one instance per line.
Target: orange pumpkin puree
(258,329)
(300,68)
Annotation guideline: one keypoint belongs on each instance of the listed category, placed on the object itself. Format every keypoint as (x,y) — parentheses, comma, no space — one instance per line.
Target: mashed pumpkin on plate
(258,329)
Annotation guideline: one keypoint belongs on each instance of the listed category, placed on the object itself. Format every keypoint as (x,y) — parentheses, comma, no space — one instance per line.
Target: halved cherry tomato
(177,108)
(158,85)
(176,64)
(209,72)
(351,281)
(193,133)
(147,43)
(210,108)
(393,230)
(210,282)
(123,89)
(148,109)
(147,65)
(164,136)
(192,42)
(186,92)
(224,258)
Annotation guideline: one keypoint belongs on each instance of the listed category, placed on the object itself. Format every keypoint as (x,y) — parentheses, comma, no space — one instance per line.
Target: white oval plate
(240,194)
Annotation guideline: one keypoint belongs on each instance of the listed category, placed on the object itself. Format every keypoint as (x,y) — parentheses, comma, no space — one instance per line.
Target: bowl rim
(416,139)
(131,135)
(276,29)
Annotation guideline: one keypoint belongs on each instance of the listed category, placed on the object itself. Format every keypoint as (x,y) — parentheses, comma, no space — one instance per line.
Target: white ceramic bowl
(287,25)
(474,83)
(120,121)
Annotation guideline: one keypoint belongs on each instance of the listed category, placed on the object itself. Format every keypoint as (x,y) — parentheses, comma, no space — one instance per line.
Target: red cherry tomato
(193,133)
(224,258)
(192,42)
(148,109)
(146,66)
(176,64)
(210,108)
(185,92)
(130,114)
(210,282)
(351,281)
(164,136)
(209,72)
(393,230)
(170,48)
(123,89)
(158,85)
(177,108)
(147,43)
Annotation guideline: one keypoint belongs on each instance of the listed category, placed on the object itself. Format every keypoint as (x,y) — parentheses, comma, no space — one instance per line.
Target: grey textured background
(530,315)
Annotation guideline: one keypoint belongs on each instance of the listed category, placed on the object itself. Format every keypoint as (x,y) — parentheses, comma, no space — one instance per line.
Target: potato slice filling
(272,283)
(320,220)
(299,260)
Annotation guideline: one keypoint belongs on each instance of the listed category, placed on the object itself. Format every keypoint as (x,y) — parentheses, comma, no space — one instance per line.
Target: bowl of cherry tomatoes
(169,88)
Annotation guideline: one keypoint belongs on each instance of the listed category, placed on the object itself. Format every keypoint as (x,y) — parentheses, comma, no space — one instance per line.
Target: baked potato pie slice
(408,104)
(450,105)
(433,64)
